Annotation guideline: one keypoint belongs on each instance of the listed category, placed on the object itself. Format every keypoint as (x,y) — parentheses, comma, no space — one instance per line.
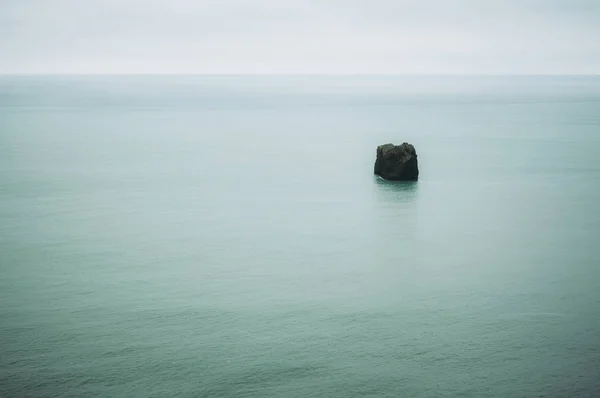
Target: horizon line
(279,74)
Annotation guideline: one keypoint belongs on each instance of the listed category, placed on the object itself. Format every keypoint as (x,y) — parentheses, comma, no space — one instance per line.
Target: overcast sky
(300,36)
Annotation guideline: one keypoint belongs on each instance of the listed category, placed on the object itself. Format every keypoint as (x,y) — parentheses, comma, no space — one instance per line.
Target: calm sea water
(225,237)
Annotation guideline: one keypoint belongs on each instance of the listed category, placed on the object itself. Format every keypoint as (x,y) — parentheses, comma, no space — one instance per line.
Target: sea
(224,236)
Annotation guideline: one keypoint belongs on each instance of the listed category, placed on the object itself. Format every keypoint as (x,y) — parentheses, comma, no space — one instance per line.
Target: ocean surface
(216,236)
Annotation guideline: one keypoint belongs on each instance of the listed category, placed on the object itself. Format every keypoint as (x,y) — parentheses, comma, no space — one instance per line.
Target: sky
(300,36)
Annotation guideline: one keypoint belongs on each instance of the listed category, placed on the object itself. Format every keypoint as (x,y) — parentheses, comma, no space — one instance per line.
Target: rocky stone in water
(397,162)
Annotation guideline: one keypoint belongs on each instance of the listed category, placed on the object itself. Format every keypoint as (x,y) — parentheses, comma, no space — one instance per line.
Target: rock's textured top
(397,162)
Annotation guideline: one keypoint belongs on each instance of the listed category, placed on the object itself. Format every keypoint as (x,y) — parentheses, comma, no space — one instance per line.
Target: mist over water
(225,237)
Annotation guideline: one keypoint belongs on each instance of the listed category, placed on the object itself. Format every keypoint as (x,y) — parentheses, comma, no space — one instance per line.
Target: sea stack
(397,162)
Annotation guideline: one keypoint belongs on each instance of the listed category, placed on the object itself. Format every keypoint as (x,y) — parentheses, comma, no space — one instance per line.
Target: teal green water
(225,237)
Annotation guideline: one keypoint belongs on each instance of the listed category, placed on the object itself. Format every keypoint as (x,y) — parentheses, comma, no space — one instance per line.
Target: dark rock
(397,162)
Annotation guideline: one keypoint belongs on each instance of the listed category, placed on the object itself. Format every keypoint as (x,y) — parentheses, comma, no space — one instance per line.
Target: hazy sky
(300,36)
